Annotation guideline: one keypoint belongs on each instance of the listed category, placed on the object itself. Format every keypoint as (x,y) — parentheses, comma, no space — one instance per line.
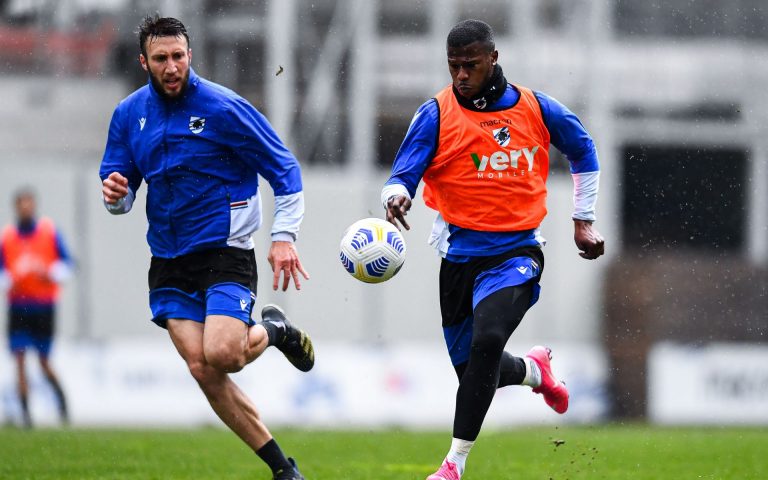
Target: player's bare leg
(53,380)
(210,351)
(227,400)
(225,343)
(22,387)
(257,342)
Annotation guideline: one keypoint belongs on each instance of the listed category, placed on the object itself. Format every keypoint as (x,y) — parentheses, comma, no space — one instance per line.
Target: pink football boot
(447,471)
(553,390)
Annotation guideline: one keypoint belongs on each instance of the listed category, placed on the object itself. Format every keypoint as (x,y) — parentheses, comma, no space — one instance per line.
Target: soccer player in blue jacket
(201,148)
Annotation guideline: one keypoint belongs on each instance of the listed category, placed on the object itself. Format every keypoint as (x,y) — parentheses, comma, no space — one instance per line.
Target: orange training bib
(29,257)
(490,169)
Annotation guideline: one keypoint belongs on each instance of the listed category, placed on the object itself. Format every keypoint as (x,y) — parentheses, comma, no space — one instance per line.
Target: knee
(203,373)
(488,342)
(225,359)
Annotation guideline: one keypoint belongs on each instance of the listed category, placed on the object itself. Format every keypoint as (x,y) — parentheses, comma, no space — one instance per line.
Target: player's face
(167,62)
(25,208)
(471,67)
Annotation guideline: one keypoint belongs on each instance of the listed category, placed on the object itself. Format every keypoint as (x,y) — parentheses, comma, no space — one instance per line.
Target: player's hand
(284,259)
(114,187)
(397,209)
(589,241)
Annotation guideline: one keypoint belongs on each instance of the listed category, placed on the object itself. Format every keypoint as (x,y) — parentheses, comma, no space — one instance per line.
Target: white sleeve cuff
(585,187)
(289,212)
(122,206)
(59,271)
(283,237)
(393,190)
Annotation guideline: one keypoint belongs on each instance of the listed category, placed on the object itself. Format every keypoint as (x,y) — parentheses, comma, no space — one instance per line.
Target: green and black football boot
(293,342)
(289,473)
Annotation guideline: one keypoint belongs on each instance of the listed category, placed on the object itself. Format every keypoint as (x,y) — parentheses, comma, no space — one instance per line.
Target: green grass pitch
(558,453)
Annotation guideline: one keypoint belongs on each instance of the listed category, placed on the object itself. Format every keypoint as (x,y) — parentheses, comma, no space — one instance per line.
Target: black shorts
(458,286)
(197,271)
(464,285)
(30,329)
(218,281)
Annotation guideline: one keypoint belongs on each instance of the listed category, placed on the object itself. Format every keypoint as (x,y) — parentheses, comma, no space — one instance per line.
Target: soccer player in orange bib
(481,147)
(33,261)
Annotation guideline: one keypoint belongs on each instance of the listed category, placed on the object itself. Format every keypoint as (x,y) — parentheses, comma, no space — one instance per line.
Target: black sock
(25,410)
(63,412)
(275,333)
(273,456)
(512,370)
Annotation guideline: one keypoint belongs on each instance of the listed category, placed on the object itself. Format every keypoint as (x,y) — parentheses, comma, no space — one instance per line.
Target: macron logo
(243,304)
(142,121)
(522,270)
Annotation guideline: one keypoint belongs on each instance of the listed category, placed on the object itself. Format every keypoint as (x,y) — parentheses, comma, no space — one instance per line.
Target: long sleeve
(5,277)
(118,158)
(569,136)
(415,153)
(257,143)
(61,269)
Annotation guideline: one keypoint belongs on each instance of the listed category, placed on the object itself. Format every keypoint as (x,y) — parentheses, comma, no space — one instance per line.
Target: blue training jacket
(201,156)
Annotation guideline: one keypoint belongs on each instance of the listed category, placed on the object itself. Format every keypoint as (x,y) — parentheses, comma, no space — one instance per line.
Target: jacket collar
(26,228)
(492,91)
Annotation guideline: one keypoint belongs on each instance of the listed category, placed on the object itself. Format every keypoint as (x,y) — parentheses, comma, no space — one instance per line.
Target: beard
(160,88)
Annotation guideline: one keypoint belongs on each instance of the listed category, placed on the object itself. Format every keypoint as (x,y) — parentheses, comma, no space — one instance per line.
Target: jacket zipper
(169,183)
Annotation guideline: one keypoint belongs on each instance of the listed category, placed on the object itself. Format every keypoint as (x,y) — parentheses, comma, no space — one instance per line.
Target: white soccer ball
(372,250)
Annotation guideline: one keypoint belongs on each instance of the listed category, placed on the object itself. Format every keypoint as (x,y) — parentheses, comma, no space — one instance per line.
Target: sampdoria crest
(196,124)
(502,136)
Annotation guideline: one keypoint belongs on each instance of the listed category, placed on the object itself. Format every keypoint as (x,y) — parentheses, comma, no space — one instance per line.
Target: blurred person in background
(481,147)
(33,262)
(200,148)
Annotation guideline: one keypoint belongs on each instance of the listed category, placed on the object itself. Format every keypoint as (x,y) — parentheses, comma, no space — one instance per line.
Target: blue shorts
(30,328)
(23,341)
(230,299)
(219,281)
(464,285)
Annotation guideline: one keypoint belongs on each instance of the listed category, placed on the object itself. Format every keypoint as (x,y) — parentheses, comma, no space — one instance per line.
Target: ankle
(532,373)
(275,333)
(459,452)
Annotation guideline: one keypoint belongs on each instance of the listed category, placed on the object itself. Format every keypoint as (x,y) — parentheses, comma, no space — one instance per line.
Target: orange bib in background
(490,169)
(28,259)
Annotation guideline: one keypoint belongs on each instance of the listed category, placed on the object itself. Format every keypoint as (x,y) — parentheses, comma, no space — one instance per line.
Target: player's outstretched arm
(397,208)
(284,259)
(589,241)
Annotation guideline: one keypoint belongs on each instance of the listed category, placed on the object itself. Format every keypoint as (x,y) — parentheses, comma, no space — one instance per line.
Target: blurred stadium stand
(673,93)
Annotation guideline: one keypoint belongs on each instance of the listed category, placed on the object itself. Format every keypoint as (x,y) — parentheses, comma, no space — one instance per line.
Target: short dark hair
(155,26)
(471,31)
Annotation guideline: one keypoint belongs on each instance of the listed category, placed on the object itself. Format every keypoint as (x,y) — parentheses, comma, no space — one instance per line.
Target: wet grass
(557,453)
